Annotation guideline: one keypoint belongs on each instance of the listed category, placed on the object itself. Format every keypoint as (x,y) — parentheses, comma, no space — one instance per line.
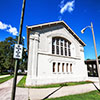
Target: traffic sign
(18,51)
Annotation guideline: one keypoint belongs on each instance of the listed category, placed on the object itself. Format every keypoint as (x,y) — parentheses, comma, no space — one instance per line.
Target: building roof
(91,61)
(50,24)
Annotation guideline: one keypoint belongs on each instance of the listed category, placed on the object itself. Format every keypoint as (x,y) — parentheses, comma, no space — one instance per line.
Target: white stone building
(55,54)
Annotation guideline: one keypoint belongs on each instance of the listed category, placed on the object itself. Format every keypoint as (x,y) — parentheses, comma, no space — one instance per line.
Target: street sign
(18,51)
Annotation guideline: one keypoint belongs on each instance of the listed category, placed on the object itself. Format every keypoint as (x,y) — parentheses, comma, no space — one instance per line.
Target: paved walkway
(4,76)
(38,94)
(42,94)
(6,89)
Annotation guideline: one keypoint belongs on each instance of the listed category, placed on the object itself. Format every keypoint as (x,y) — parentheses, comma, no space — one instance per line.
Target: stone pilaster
(33,57)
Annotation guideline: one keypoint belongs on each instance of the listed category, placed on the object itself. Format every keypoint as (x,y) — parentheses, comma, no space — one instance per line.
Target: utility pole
(96,54)
(97,62)
(17,60)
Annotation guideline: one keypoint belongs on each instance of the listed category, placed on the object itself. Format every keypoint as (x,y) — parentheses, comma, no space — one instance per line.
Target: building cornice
(55,55)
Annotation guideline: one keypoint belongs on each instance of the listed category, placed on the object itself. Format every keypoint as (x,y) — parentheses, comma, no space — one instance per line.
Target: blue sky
(76,13)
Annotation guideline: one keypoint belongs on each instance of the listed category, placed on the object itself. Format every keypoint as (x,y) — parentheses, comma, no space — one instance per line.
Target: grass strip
(23,80)
(94,95)
(5,79)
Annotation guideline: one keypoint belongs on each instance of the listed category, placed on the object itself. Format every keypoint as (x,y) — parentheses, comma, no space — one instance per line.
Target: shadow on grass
(52,93)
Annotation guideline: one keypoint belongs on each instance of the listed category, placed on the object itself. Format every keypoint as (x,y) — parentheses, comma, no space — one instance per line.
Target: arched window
(61,46)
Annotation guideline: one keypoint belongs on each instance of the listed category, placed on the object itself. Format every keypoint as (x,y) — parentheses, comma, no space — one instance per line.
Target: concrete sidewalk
(6,89)
(39,94)
(4,76)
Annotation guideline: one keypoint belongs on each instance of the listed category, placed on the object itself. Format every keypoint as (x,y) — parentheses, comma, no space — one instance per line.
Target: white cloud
(3,26)
(12,30)
(62,3)
(8,28)
(69,6)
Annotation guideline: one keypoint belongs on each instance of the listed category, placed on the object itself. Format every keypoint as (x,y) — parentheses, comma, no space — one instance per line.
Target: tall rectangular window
(57,41)
(57,45)
(69,49)
(54,66)
(58,67)
(61,42)
(61,50)
(57,48)
(53,46)
(65,51)
(67,67)
(70,67)
(53,49)
(62,67)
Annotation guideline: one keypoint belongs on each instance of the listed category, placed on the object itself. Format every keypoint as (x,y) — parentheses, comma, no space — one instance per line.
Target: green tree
(88,59)
(99,57)
(23,61)
(1,57)
(6,55)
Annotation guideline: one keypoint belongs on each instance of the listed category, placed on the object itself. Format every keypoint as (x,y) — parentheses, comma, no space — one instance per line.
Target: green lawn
(23,80)
(5,79)
(94,95)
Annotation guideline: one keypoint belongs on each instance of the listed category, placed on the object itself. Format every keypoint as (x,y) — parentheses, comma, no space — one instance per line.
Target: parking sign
(18,51)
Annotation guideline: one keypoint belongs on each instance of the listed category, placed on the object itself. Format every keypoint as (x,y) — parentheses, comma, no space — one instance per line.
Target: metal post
(96,53)
(17,60)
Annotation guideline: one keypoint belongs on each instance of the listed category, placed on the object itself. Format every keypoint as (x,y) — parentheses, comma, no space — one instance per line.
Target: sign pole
(17,60)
